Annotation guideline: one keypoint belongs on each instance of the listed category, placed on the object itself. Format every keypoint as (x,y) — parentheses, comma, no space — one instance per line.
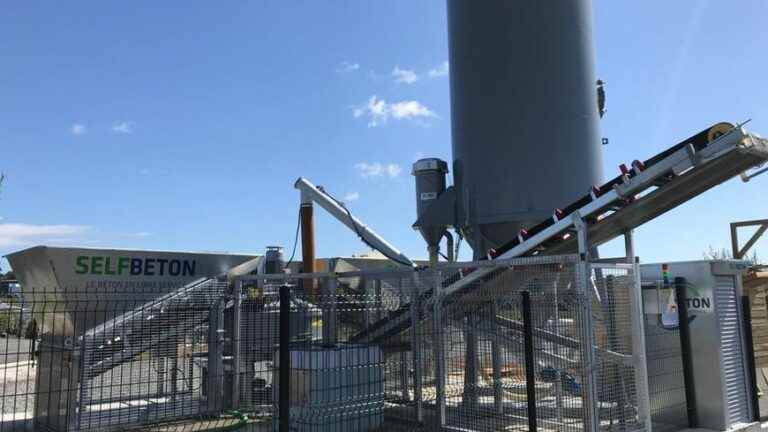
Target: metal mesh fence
(371,350)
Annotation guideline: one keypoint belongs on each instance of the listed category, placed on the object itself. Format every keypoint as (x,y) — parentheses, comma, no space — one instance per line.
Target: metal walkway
(641,193)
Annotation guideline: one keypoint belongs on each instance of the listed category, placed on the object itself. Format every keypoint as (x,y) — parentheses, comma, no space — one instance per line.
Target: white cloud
(125,127)
(404,76)
(439,71)
(409,109)
(394,170)
(378,111)
(377,169)
(369,170)
(351,196)
(78,129)
(346,67)
(15,234)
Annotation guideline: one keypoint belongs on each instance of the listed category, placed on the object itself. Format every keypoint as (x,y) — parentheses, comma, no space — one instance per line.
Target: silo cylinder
(524,112)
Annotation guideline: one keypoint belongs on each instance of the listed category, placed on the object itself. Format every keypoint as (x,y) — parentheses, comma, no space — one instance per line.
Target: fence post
(237,291)
(588,360)
(638,335)
(470,396)
(215,381)
(498,391)
(403,355)
(416,349)
(284,398)
(681,294)
(530,365)
(327,301)
(439,353)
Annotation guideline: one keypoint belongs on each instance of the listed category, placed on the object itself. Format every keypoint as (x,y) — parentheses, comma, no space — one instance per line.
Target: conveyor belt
(638,195)
(173,315)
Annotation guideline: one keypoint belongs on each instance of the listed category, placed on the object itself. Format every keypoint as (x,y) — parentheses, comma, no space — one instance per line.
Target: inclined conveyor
(169,317)
(639,194)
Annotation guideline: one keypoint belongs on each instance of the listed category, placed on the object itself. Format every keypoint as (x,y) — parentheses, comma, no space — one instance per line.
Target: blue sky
(183,126)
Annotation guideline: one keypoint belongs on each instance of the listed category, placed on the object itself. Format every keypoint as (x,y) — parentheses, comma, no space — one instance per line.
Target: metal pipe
(434,254)
(306,213)
(449,245)
(310,192)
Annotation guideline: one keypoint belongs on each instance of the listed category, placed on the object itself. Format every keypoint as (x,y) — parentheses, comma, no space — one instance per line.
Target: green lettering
(122,264)
(96,265)
(81,265)
(107,270)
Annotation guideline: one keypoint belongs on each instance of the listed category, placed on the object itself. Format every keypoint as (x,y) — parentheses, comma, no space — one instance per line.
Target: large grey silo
(524,112)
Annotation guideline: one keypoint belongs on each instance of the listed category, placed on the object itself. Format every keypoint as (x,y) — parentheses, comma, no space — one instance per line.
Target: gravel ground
(14,349)
(17,388)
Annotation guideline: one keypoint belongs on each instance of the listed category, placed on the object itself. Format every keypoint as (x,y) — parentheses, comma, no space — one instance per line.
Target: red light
(623,168)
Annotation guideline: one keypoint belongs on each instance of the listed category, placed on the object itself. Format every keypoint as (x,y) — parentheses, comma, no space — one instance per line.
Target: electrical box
(719,363)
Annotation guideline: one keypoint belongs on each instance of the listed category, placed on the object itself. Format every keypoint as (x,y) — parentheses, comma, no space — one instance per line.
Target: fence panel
(371,350)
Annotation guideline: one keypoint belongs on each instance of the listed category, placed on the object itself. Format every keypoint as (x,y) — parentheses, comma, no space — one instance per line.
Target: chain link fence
(545,343)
